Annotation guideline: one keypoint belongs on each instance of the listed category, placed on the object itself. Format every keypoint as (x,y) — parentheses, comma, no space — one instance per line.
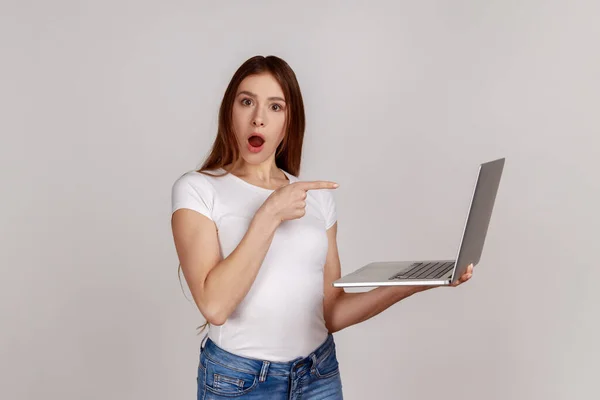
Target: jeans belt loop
(263,371)
(314,362)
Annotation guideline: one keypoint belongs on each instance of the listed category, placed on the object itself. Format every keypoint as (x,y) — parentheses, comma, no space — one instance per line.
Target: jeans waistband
(256,366)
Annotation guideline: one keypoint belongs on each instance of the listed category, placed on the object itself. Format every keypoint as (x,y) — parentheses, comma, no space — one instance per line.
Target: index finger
(311,185)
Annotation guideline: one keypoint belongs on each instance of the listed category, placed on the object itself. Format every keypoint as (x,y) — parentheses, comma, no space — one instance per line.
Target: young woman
(257,247)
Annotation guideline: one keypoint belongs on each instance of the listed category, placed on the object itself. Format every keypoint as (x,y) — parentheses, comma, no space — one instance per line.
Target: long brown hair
(225,150)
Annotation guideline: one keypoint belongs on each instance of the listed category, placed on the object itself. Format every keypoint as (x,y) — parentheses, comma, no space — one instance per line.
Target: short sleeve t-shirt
(281,317)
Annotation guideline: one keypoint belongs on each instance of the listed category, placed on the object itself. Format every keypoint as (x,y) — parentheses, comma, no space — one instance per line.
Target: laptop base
(382,274)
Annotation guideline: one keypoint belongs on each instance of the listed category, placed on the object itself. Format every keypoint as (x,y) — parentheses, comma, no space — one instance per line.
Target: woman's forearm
(353,308)
(228,282)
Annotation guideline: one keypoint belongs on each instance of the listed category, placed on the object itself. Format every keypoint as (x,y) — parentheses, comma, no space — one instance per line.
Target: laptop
(440,272)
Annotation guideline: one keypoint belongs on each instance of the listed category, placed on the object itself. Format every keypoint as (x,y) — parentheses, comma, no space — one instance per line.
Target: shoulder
(326,202)
(291,177)
(194,178)
(324,196)
(193,190)
(191,179)
(328,206)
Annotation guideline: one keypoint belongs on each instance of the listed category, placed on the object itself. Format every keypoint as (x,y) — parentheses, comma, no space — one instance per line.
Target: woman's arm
(219,285)
(353,308)
(343,309)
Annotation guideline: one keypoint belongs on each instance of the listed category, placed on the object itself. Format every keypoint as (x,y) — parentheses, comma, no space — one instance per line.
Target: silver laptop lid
(478,218)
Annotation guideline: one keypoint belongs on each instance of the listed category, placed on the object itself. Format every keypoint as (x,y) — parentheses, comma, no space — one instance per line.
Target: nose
(258,120)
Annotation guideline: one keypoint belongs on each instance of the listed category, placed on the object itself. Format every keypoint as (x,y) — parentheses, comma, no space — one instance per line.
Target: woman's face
(259,109)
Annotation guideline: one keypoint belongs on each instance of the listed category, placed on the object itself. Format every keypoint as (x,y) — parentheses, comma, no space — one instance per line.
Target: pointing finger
(311,185)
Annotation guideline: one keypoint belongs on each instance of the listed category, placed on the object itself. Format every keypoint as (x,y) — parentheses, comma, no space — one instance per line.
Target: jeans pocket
(227,380)
(327,366)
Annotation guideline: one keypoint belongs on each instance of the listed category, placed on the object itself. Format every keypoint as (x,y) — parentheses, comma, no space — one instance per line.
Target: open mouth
(256,141)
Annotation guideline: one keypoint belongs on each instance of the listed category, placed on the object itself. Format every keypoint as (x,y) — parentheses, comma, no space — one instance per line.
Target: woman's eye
(246,102)
(277,107)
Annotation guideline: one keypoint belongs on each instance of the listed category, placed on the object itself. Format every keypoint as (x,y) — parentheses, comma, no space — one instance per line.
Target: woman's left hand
(465,277)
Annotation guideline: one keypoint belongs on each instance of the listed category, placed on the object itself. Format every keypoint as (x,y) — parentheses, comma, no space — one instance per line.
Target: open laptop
(440,272)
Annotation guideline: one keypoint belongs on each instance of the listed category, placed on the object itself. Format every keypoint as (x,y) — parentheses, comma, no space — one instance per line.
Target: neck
(265,172)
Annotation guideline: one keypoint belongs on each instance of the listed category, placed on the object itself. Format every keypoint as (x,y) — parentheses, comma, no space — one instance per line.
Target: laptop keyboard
(425,270)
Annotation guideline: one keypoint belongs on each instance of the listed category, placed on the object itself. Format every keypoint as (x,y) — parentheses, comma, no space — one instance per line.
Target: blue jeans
(222,375)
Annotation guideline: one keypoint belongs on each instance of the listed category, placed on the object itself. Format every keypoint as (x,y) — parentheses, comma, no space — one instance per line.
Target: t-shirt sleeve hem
(189,207)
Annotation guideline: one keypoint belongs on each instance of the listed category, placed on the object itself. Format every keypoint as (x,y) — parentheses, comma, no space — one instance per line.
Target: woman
(258,250)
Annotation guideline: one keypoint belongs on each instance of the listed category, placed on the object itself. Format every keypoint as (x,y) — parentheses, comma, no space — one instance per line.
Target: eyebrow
(253,95)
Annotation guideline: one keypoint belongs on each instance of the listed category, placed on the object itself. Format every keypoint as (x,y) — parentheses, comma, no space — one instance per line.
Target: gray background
(104,104)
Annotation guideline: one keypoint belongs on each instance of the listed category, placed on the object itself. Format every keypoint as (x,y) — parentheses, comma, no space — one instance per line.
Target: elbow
(214,314)
(216,320)
(213,310)
(332,328)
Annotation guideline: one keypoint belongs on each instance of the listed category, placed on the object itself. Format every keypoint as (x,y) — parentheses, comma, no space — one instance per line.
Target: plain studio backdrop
(105,103)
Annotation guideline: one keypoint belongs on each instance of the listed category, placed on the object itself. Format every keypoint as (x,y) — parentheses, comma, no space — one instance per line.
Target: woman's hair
(225,150)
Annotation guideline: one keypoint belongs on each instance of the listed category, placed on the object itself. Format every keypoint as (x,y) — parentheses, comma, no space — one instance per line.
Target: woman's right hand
(289,201)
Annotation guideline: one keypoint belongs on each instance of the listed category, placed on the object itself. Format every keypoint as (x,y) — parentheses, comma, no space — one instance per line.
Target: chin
(256,158)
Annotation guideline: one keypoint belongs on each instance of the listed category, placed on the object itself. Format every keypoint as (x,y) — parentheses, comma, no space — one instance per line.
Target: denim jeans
(222,375)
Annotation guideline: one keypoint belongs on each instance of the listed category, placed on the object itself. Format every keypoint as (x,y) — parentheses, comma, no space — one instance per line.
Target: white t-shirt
(281,317)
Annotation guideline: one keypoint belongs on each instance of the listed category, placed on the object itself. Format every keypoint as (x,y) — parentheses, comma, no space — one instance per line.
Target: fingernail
(335,185)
